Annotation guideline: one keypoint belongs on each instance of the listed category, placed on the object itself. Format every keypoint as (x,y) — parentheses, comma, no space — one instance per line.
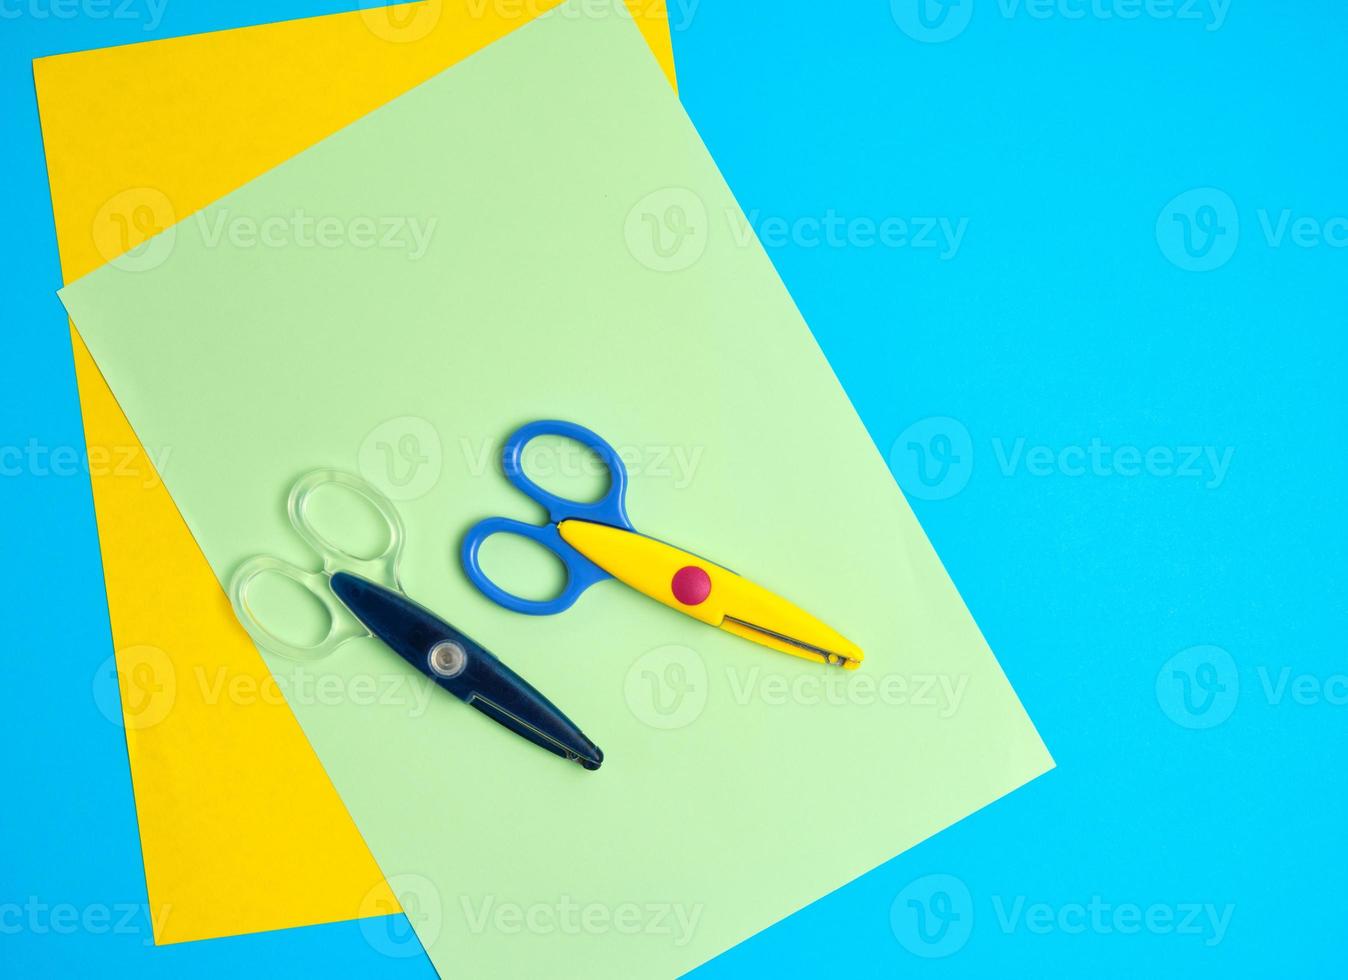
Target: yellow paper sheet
(241,830)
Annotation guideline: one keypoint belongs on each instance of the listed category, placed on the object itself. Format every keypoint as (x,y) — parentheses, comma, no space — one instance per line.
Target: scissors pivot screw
(448,659)
(691,585)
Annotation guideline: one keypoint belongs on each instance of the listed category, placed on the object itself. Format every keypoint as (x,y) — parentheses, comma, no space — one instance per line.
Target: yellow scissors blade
(708,592)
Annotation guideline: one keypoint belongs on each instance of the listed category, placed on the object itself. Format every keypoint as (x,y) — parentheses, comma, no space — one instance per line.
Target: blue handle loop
(581,573)
(610,509)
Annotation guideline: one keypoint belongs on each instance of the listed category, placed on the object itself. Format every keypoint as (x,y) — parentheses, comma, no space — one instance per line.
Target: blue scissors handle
(611,509)
(581,573)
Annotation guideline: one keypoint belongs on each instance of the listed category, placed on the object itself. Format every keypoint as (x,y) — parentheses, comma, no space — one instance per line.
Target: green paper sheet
(538,232)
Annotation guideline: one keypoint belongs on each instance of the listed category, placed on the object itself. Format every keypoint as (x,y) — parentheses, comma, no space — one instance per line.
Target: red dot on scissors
(691,585)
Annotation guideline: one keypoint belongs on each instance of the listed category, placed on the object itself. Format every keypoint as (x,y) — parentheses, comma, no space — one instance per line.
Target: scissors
(348,587)
(596,541)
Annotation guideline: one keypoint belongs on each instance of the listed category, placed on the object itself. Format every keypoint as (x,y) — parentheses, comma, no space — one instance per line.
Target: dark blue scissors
(349,588)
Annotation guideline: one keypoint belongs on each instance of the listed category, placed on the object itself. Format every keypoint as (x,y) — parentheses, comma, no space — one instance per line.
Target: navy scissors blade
(462,667)
(427,642)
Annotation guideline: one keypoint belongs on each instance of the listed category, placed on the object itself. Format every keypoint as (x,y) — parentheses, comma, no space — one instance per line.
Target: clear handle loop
(342,625)
(382,568)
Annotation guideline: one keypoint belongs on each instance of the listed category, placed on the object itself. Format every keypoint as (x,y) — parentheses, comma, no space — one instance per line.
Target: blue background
(1071,313)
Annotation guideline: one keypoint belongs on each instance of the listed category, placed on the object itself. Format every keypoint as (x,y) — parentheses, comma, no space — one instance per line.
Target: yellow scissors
(596,541)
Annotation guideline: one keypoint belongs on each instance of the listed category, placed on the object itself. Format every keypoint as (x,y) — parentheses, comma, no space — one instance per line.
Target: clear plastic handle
(342,625)
(382,568)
